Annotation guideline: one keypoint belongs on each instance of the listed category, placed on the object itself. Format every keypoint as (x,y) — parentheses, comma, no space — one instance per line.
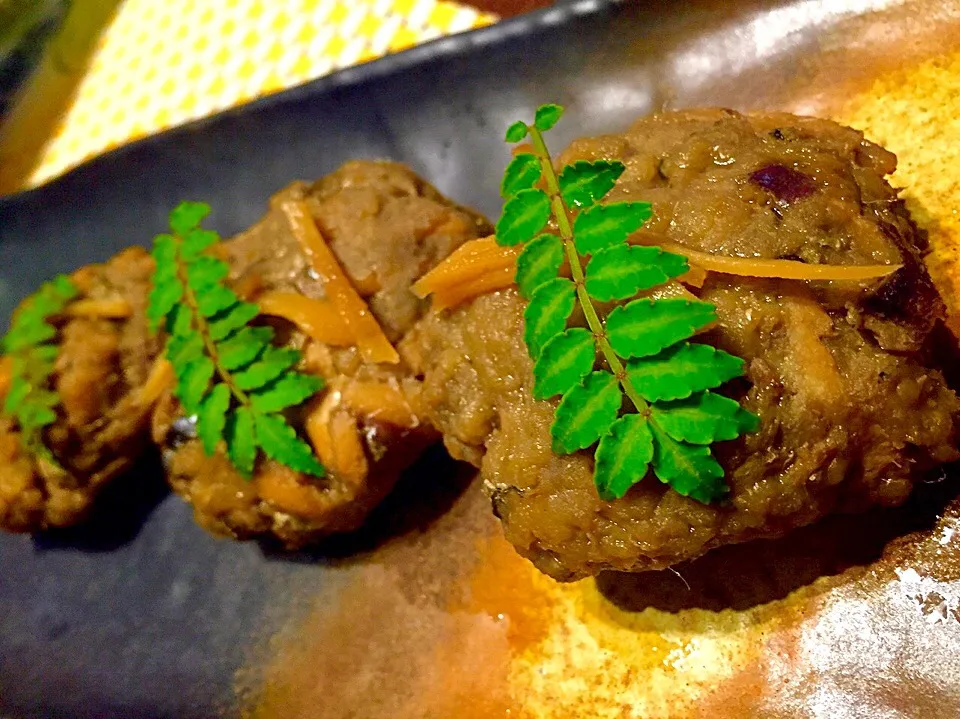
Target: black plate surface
(152,618)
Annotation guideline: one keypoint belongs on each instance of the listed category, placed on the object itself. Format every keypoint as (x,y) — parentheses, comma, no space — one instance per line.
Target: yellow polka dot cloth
(162,63)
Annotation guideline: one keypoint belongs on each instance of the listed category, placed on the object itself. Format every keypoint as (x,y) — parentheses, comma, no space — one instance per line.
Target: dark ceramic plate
(149,616)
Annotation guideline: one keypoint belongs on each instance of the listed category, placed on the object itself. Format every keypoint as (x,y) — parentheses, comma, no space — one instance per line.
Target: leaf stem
(204,330)
(565,225)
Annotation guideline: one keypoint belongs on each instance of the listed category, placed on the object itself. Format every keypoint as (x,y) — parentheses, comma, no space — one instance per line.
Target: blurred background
(82,77)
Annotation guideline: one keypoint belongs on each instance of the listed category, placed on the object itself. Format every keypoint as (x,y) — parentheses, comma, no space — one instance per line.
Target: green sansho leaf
(623,456)
(240,436)
(604,226)
(212,417)
(621,271)
(645,327)
(205,273)
(704,418)
(564,361)
(547,116)
(29,343)
(187,216)
(584,183)
(244,347)
(689,469)
(229,374)
(234,318)
(288,391)
(516,132)
(524,215)
(539,262)
(273,363)
(586,412)
(546,315)
(522,173)
(279,442)
(194,383)
(632,385)
(679,371)
(215,300)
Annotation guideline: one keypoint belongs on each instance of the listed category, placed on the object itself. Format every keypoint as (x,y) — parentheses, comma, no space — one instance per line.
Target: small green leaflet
(584,183)
(524,215)
(681,370)
(623,456)
(621,271)
(564,360)
(522,173)
(690,470)
(547,116)
(546,315)
(630,384)
(605,226)
(229,373)
(586,412)
(704,418)
(30,344)
(645,327)
(540,261)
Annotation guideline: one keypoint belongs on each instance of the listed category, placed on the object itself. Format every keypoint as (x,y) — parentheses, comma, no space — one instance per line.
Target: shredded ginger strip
(363,326)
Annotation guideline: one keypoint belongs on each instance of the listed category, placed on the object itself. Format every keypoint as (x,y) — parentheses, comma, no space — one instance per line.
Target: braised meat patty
(103,361)
(386,227)
(843,375)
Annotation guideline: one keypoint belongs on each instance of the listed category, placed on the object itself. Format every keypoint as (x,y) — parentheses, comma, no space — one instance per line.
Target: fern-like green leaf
(29,343)
(279,442)
(583,183)
(623,456)
(524,215)
(244,347)
(522,173)
(288,391)
(229,374)
(645,327)
(539,262)
(212,417)
(240,436)
(546,315)
(215,300)
(690,470)
(621,271)
(586,412)
(563,362)
(187,216)
(604,226)
(194,383)
(679,371)
(653,406)
(273,363)
(205,273)
(225,323)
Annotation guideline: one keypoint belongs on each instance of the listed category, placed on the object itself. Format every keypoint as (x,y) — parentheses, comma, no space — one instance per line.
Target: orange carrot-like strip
(318,319)
(159,380)
(117,309)
(280,488)
(470,261)
(492,281)
(378,401)
(370,339)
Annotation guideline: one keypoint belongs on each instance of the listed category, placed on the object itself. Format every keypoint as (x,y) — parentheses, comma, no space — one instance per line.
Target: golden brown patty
(387,227)
(853,409)
(102,427)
